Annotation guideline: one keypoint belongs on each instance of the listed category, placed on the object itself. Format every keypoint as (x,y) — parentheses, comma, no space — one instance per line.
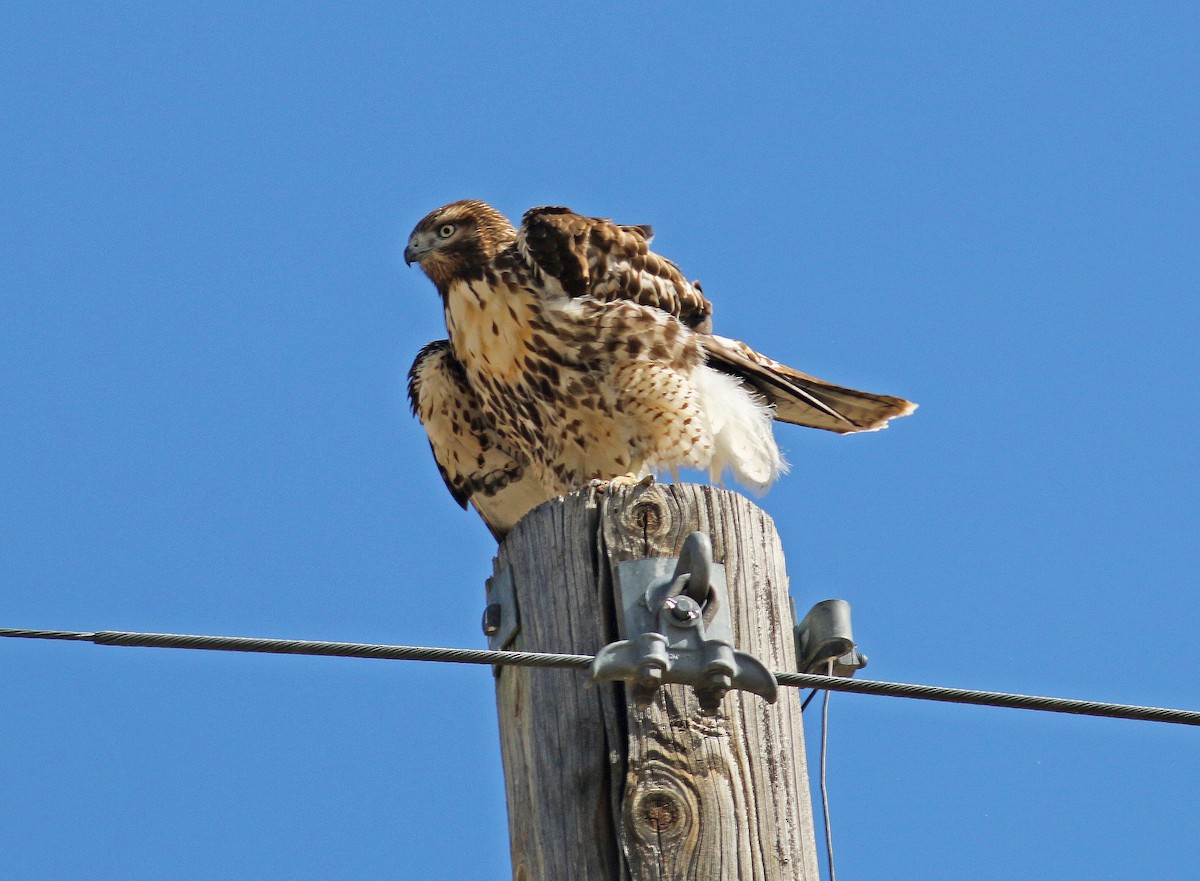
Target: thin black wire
(583,662)
(308,647)
(991,698)
(824,788)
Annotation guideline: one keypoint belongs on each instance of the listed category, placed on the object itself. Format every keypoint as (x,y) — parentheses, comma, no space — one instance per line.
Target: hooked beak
(418,247)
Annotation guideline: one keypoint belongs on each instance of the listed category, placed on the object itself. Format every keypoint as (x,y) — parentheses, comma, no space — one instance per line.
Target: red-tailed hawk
(577,354)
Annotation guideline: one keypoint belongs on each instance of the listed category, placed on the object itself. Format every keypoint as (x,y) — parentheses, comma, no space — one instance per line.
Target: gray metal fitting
(675,617)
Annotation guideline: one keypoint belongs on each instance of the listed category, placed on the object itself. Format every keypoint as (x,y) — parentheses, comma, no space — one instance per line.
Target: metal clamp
(824,636)
(675,614)
(501,618)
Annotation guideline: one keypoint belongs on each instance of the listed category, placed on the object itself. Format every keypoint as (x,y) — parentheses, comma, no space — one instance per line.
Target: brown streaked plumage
(576,353)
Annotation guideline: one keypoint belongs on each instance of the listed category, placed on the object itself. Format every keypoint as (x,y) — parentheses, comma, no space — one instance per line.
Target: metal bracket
(674,614)
(501,618)
(825,635)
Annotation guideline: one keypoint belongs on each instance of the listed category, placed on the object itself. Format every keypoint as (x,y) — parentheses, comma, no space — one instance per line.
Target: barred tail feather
(741,425)
(802,399)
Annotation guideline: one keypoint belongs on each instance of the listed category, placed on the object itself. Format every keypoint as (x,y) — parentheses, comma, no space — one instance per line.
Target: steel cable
(583,662)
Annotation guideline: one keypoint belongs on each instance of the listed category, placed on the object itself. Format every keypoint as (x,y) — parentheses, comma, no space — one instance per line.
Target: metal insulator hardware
(501,618)
(825,635)
(674,615)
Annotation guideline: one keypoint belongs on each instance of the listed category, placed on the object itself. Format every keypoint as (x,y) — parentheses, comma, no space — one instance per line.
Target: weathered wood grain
(598,789)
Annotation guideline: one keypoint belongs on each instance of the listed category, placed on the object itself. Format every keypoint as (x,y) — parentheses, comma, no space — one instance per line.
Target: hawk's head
(458,240)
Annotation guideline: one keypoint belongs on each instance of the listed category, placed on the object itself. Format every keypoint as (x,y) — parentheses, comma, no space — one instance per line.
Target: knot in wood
(649,514)
(660,811)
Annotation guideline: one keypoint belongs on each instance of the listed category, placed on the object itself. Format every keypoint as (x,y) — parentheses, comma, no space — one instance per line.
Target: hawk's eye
(446,230)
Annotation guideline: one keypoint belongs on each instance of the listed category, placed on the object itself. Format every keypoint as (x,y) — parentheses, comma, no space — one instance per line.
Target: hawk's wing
(591,256)
(474,466)
(802,399)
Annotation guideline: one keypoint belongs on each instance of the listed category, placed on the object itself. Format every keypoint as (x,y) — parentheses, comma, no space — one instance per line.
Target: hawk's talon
(624,481)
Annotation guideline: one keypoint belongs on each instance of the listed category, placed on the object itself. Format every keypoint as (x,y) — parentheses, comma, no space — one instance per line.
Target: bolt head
(649,676)
(683,609)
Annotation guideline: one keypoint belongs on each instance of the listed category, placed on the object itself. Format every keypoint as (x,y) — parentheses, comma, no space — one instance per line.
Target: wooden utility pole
(599,790)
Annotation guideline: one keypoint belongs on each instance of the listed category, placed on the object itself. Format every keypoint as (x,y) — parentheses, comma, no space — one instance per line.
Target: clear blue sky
(990,208)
